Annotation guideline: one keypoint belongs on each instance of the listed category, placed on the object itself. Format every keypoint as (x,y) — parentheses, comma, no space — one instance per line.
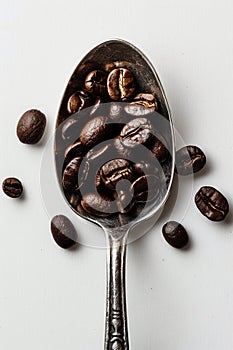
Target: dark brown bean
(120,84)
(189,159)
(145,188)
(212,203)
(158,150)
(68,129)
(175,234)
(31,126)
(96,205)
(12,187)
(95,82)
(77,149)
(96,131)
(115,170)
(74,103)
(137,132)
(70,179)
(63,231)
(79,100)
(115,111)
(143,104)
(125,201)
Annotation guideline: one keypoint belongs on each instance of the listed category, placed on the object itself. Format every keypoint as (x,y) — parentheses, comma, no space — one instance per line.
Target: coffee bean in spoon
(212,203)
(96,205)
(142,104)
(125,202)
(78,100)
(175,234)
(96,131)
(115,170)
(137,132)
(68,129)
(121,84)
(12,187)
(146,188)
(95,82)
(31,126)
(70,179)
(77,149)
(189,159)
(63,231)
(158,150)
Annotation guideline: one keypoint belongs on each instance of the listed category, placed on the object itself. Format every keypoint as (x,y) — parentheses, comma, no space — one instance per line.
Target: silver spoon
(111,54)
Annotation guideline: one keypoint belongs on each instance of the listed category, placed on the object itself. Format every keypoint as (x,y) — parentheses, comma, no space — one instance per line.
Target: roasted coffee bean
(99,152)
(79,100)
(145,168)
(31,126)
(96,131)
(124,201)
(136,132)
(12,187)
(120,84)
(145,188)
(96,205)
(143,104)
(115,170)
(115,111)
(77,149)
(117,64)
(212,203)
(68,129)
(95,82)
(175,234)
(70,179)
(74,199)
(189,159)
(74,103)
(96,106)
(63,231)
(158,150)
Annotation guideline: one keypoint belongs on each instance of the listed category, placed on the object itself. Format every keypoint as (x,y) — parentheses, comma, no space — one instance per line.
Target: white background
(54,299)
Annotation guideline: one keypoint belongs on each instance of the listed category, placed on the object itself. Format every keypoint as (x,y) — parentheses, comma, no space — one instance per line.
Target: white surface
(54,299)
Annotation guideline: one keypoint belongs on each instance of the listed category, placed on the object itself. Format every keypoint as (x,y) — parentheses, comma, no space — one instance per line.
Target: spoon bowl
(107,57)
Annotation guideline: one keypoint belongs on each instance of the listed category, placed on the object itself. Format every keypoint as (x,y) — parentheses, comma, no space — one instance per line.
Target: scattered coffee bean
(120,84)
(63,231)
(96,205)
(12,187)
(175,234)
(189,159)
(31,126)
(95,82)
(212,203)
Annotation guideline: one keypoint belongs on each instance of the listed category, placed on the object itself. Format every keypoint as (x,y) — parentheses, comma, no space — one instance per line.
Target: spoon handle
(116,333)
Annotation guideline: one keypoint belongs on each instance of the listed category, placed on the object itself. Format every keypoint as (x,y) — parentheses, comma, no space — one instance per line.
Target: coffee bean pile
(113,140)
(112,157)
